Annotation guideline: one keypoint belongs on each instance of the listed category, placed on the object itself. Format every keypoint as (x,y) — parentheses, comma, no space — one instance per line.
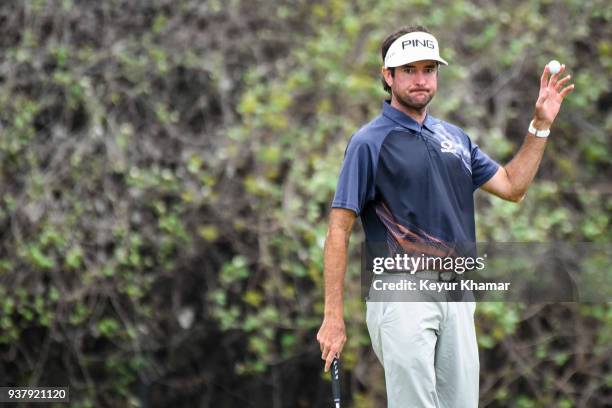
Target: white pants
(428,351)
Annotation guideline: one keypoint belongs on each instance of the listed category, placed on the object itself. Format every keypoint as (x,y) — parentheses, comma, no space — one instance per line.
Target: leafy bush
(167,169)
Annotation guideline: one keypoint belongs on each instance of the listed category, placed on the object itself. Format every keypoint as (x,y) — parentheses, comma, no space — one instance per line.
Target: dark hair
(387,43)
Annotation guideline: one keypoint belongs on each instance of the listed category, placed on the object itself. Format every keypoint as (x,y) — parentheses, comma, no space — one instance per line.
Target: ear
(386,74)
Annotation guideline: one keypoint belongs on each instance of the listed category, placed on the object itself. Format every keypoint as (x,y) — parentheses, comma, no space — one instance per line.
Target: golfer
(411,179)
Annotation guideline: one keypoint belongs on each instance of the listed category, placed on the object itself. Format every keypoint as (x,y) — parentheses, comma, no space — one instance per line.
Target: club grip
(335,377)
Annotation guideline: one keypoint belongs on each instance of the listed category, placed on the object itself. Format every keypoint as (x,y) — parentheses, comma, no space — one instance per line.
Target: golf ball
(554,67)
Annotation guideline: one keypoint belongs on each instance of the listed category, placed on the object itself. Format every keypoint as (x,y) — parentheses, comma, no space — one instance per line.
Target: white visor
(411,47)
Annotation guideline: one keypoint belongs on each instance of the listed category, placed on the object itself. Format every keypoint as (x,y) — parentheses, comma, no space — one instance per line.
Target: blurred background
(166,171)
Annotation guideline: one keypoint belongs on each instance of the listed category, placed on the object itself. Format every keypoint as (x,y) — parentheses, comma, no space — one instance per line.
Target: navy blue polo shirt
(412,184)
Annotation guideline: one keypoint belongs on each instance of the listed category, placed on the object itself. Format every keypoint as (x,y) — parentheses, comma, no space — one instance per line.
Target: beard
(414,103)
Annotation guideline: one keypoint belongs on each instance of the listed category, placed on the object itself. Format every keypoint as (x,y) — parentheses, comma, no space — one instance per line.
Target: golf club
(335,377)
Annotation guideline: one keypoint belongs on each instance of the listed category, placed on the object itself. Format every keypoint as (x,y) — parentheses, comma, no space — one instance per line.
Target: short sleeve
(483,167)
(356,181)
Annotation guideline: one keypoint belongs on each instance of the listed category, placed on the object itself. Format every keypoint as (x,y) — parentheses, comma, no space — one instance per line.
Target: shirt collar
(404,120)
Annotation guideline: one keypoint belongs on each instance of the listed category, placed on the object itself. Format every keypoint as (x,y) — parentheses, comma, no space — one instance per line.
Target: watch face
(542,133)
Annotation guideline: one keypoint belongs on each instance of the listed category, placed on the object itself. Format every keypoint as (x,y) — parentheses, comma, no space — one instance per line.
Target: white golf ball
(554,66)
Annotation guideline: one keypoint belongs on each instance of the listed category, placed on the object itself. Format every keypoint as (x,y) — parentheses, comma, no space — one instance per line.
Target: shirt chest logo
(447,147)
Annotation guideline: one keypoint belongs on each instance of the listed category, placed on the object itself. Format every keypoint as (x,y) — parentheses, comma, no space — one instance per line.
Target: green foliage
(158,158)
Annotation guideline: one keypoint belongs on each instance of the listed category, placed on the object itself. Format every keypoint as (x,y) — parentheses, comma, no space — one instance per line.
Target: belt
(444,276)
(441,276)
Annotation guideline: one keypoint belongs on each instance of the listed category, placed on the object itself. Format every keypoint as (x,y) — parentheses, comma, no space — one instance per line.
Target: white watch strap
(536,132)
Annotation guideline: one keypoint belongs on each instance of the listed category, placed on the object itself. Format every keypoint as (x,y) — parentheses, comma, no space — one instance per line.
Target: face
(413,85)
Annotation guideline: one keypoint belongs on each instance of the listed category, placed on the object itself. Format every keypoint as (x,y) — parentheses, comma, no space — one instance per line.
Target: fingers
(562,82)
(559,86)
(325,353)
(566,90)
(555,77)
(331,338)
(328,355)
(329,360)
(544,78)
(550,82)
(330,351)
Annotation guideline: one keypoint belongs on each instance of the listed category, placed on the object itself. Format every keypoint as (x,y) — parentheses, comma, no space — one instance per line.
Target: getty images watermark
(514,272)
(430,274)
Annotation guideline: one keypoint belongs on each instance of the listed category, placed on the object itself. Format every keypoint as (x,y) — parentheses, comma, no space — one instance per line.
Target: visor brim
(409,60)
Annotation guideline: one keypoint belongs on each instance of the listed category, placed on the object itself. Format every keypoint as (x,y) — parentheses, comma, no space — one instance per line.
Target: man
(411,178)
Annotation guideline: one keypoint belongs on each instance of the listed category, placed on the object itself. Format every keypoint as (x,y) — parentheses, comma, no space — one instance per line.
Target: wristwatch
(536,132)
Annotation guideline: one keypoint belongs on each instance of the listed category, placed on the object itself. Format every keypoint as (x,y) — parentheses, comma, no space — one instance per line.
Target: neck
(417,114)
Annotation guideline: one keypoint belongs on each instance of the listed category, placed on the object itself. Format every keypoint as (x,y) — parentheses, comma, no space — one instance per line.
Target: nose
(419,78)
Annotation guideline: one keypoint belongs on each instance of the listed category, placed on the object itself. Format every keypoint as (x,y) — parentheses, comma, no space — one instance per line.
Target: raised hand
(552,93)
